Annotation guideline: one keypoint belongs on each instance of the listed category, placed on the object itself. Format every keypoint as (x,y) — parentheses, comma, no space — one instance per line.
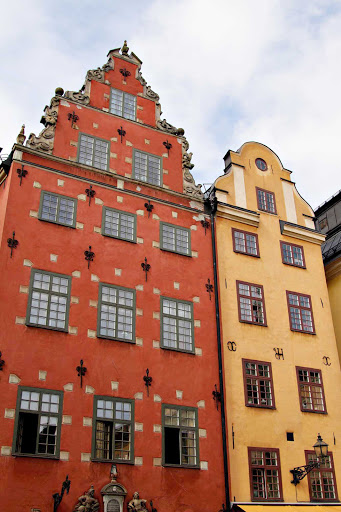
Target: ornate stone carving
(87,502)
(95,74)
(114,493)
(151,94)
(45,140)
(79,97)
(136,504)
(189,186)
(167,127)
(140,78)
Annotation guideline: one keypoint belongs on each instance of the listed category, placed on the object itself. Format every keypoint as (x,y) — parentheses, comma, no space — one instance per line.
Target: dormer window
(123,104)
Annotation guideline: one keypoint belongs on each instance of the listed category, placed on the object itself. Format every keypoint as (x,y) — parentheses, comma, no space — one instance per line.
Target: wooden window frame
(249,297)
(120,212)
(266,201)
(300,309)
(38,413)
(258,378)
(133,308)
(246,252)
(124,95)
(264,467)
(176,228)
(310,384)
(59,197)
(113,420)
(320,470)
(93,151)
(176,349)
(147,182)
(282,243)
(68,298)
(181,427)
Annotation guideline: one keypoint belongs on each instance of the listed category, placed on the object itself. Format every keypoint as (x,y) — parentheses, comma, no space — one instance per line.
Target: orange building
(108,340)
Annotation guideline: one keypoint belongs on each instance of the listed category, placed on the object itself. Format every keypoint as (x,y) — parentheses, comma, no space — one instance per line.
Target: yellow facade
(260,427)
(333,275)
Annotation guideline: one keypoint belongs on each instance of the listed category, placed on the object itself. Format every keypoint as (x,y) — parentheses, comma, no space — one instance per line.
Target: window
(266,201)
(123,104)
(322,481)
(258,384)
(251,303)
(175,239)
(292,254)
(180,436)
(119,224)
(113,432)
(310,389)
(177,325)
(147,168)
(49,300)
(58,209)
(94,152)
(116,313)
(265,474)
(300,312)
(38,422)
(245,242)
(261,164)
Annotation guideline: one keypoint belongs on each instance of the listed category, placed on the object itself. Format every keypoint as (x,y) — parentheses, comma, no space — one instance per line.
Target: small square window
(265,474)
(177,325)
(310,388)
(300,313)
(175,239)
(93,151)
(118,224)
(147,167)
(322,481)
(58,209)
(123,104)
(251,303)
(245,242)
(258,385)
(292,254)
(116,313)
(180,436)
(266,201)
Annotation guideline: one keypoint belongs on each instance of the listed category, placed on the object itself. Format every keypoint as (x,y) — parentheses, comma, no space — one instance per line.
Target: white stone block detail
(139,312)
(179,394)
(139,107)
(119,199)
(138,461)
(140,212)
(10,414)
(194,227)
(201,404)
(23,289)
(165,155)
(197,323)
(17,155)
(113,139)
(64,456)
(204,465)
(97,229)
(60,183)
(139,342)
(114,386)
(156,217)
(64,103)
(105,109)
(89,390)
(94,278)
(85,457)
(138,396)
(165,172)
(175,215)
(68,386)
(138,188)
(156,291)
(198,351)
(202,432)
(54,257)
(196,299)
(5,451)
(42,374)
(66,419)
(13,379)
(128,143)
(93,303)
(139,287)
(113,155)
(127,175)
(157,461)
(73,330)
(20,320)
(91,334)
(98,201)
(33,214)
(156,244)
(157,398)
(118,271)
(138,427)
(156,315)
(28,263)
(36,184)
(157,429)
(146,141)
(139,240)
(194,254)
(199,217)
(120,184)
(95,125)
(76,273)
(156,344)
(176,286)
(87,422)
(74,300)
(128,160)
(81,197)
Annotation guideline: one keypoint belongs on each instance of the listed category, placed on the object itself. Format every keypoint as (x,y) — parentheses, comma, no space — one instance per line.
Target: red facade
(38,357)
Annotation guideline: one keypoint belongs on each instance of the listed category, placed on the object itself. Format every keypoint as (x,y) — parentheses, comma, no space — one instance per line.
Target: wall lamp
(321,451)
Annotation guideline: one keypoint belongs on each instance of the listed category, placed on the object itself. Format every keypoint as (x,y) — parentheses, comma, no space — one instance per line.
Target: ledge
(237,214)
(333,269)
(301,233)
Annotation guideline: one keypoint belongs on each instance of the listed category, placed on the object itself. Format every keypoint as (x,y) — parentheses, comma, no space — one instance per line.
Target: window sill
(111,461)
(179,466)
(131,342)
(270,213)
(246,254)
(303,332)
(314,412)
(175,252)
(252,323)
(119,238)
(191,352)
(66,331)
(58,223)
(273,408)
(36,456)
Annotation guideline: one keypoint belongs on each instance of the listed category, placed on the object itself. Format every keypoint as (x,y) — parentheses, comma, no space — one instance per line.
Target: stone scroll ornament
(45,140)
(87,502)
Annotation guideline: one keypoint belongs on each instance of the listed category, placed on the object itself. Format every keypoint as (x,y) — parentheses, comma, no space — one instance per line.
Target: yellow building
(281,367)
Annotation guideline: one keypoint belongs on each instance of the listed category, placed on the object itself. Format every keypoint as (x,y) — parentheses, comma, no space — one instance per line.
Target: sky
(227,71)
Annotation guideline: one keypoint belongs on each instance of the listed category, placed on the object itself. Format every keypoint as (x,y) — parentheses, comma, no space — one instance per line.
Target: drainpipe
(220,361)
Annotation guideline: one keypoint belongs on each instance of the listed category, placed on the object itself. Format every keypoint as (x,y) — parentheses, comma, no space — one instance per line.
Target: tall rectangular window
(38,422)
(49,300)
(266,200)
(175,238)
(147,167)
(251,303)
(180,436)
(93,151)
(245,242)
(258,385)
(310,389)
(123,104)
(58,209)
(119,224)
(292,254)
(113,432)
(116,313)
(177,325)
(300,312)
(265,474)
(322,481)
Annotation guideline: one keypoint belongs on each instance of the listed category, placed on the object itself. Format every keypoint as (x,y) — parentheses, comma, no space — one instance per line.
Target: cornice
(236,214)
(333,269)
(301,233)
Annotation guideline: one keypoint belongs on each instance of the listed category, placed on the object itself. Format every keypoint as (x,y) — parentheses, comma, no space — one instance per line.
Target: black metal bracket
(124,72)
(216,396)
(90,193)
(73,118)
(326,360)
(209,287)
(2,362)
(279,353)
(302,471)
(205,224)
(145,267)
(121,132)
(12,243)
(147,380)
(57,498)
(149,207)
(21,173)
(89,256)
(167,145)
(232,346)
(153,509)
(81,371)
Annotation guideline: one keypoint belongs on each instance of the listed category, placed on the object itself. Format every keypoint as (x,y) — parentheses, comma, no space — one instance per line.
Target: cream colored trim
(303,234)
(239,186)
(289,201)
(245,217)
(333,269)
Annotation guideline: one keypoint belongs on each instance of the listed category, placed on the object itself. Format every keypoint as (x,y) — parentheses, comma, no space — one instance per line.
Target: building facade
(108,346)
(281,368)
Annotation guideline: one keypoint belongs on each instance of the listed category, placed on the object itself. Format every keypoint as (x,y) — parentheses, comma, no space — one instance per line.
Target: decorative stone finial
(21,136)
(125,49)
(59,91)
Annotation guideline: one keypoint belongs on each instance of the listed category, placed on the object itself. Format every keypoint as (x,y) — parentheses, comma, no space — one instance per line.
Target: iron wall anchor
(149,207)
(205,224)
(121,132)
(216,395)
(90,193)
(147,381)
(145,267)
(21,173)
(12,243)
(2,362)
(89,256)
(73,118)
(209,287)
(81,371)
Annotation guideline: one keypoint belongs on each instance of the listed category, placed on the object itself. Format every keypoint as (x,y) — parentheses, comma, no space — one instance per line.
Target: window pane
(116,313)
(116,102)
(177,329)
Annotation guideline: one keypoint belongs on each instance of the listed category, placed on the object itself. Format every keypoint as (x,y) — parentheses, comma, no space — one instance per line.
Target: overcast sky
(227,71)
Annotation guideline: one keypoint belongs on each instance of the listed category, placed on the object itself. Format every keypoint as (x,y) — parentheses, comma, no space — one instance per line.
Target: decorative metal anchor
(232,346)
(147,381)
(121,132)
(145,267)
(21,173)
(216,395)
(279,353)
(167,145)
(2,362)
(57,498)
(149,207)
(73,118)
(89,256)
(81,371)
(326,360)
(90,193)
(12,243)
(124,72)
(205,224)
(209,287)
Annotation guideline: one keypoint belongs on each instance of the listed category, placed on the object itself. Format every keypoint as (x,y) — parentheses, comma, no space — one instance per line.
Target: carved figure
(87,502)
(21,136)
(125,49)
(136,504)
